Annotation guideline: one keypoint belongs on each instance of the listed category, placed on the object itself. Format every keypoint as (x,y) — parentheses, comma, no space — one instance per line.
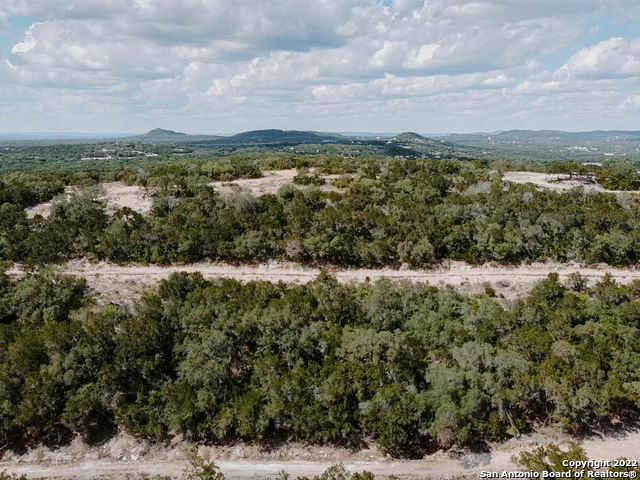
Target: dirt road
(119,282)
(298,461)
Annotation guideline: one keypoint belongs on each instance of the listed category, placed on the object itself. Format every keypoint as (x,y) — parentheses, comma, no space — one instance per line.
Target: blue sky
(598,30)
(18,25)
(347,65)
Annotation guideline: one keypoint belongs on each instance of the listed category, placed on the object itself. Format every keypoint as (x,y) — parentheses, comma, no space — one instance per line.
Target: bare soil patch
(119,195)
(555,182)
(270,183)
(116,194)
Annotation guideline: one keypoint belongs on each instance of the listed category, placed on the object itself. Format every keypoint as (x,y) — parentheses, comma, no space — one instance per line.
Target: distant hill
(520,145)
(161,135)
(274,137)
(408,144)
(409,137)
(160,132)
(367,134)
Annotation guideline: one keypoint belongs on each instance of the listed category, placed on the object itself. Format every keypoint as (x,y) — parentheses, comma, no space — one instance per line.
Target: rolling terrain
(519,145)
(398,307)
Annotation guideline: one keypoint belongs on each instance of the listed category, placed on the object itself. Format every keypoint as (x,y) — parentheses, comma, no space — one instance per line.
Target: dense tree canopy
(410,366)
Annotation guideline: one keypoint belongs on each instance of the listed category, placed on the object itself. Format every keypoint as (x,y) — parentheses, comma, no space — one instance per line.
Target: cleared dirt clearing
(119,195)
(552,182)
(270,183)
(116,194)
(120,283)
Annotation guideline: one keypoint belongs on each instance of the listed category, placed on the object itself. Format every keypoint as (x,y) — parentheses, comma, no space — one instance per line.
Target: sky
(225,66)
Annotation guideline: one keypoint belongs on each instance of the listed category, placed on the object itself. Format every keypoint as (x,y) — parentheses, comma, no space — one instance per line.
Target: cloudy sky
(224,66)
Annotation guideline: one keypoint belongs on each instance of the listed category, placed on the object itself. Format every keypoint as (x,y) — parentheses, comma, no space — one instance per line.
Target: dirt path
(118,282)
(262,469)
(244,462)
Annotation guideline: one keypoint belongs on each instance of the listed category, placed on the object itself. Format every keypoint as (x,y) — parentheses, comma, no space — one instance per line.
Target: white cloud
(631,103)
(615,57)
(252,61)
(5,26)
(422,57)
(27,44)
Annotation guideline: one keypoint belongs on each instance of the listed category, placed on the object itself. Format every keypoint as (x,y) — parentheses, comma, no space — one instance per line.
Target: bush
(551,458)
(200,468)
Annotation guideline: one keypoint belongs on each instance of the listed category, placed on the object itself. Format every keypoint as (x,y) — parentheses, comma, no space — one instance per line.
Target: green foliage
(410,366)
(336,472)
(7,476)
(41,299)
(619,175)
(304,178)
(201,468)
(26,189)
(417,212)
(550,458)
